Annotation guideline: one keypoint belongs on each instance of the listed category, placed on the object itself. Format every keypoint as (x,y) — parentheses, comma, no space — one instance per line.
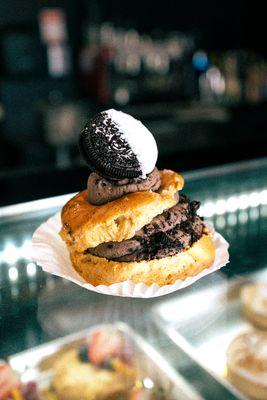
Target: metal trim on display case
(18,211)
(226,169)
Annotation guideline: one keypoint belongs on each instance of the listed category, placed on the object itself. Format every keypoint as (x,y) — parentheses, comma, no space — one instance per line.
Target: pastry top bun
(88,225)
(164,271)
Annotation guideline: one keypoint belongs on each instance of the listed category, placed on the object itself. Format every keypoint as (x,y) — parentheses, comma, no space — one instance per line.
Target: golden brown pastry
(254,304)
(247,364)
(131,223)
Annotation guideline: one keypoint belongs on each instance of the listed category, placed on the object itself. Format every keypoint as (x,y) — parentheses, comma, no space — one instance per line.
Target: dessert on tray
(101,369)
(247,364)
(105,364)
(131,223)
(254,304)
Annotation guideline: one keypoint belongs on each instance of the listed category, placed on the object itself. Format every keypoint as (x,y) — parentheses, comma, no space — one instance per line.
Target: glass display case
(191,328)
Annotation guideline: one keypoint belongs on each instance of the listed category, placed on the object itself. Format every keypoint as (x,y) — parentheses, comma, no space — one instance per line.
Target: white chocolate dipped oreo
(118,146)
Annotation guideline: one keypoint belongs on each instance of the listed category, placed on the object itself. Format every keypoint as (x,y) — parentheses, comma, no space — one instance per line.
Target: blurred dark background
(195,73)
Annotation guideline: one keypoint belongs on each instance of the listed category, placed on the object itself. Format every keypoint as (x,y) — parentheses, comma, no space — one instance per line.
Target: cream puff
(131,223)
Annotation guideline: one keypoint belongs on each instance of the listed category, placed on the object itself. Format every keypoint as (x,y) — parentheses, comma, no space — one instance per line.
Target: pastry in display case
(131,224)
(100,369)
(247,364)
(107,362)
(254,303)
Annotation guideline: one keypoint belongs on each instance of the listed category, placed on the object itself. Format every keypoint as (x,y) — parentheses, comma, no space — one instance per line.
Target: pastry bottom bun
(164,271)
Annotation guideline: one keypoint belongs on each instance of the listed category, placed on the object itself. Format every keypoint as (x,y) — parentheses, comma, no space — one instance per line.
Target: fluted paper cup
(51,253)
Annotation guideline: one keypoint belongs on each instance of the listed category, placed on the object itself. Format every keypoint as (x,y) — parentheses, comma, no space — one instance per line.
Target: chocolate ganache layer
(166,235)
(102,190)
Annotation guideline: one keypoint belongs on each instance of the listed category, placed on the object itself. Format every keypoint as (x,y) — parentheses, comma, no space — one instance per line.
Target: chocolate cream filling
(102,190)
(166,235)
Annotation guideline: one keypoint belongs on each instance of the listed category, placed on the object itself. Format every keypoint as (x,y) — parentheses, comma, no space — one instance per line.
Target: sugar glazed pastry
(100,370)
(131,223)
(247,364)
(254,304)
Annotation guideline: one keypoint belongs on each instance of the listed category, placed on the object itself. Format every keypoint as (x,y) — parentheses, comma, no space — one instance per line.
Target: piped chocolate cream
(102,190)
(166,235)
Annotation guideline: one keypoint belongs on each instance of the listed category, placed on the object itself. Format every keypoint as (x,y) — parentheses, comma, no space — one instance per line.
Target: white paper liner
(51,253)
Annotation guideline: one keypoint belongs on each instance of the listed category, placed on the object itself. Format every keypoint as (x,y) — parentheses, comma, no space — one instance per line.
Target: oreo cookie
(106,151)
